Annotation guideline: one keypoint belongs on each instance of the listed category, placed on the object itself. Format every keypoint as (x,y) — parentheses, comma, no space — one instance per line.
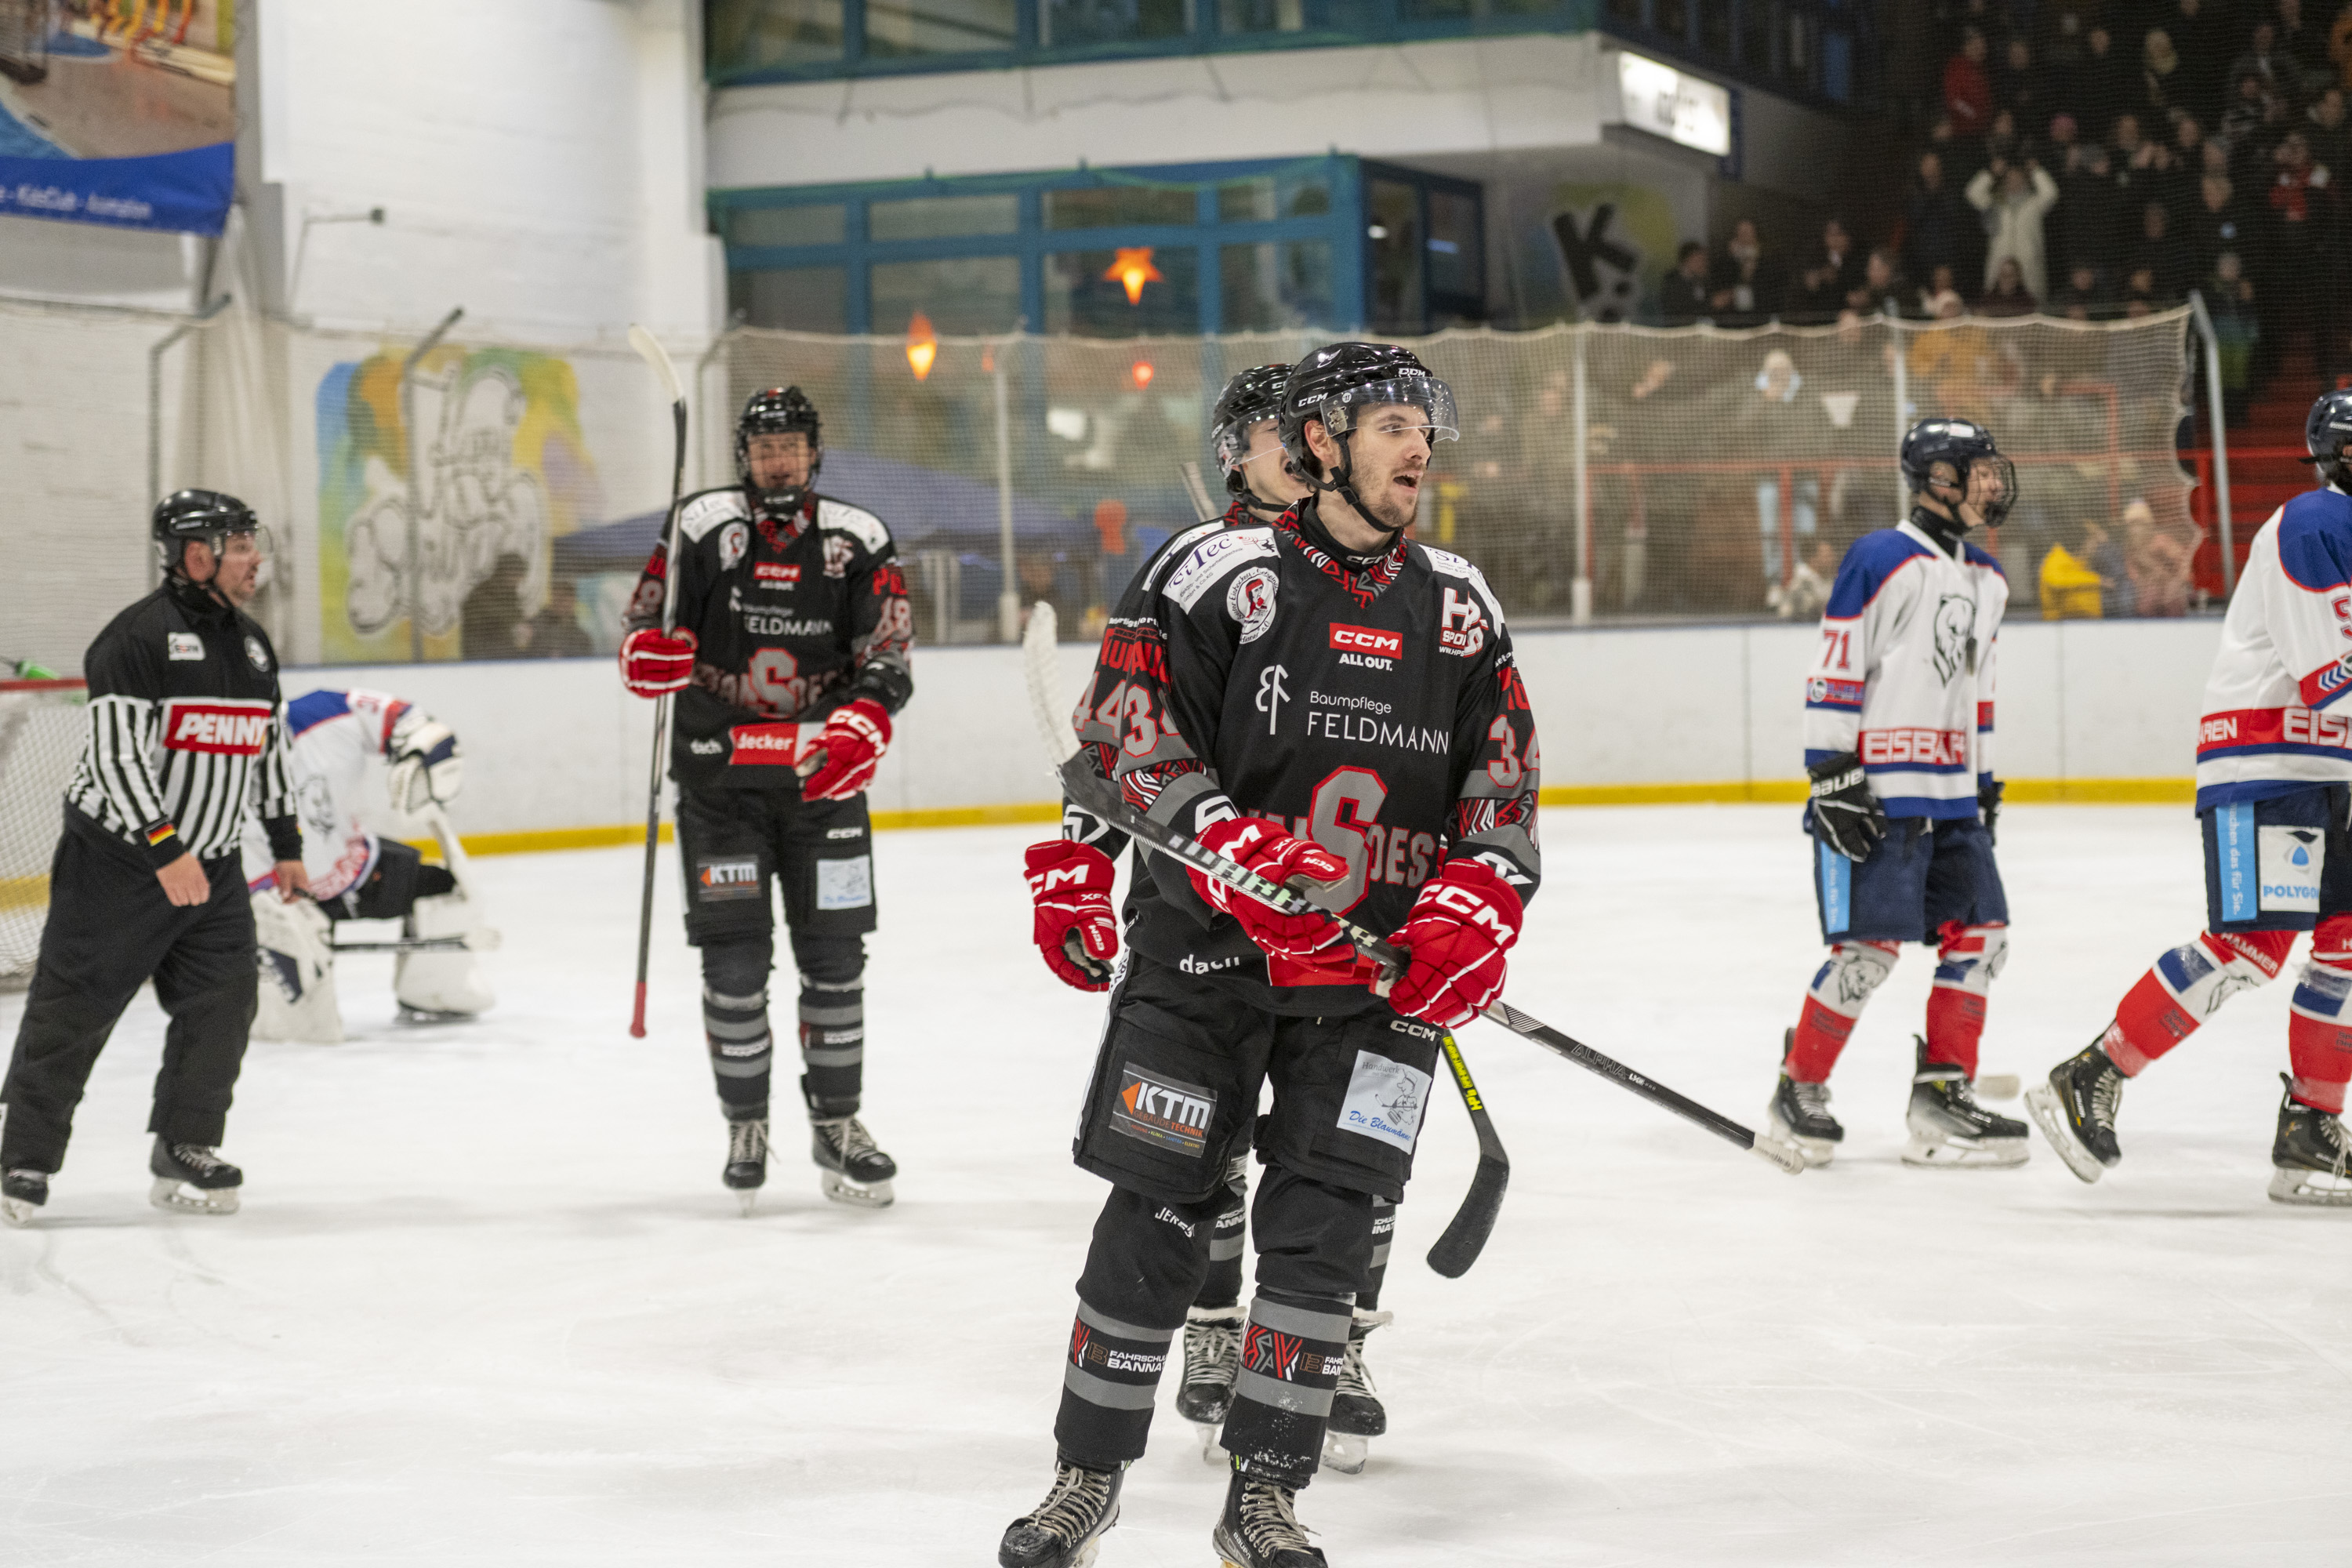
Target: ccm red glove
(1070,884)
(852,742)
(653,665)
(1275,855)
(1464,921)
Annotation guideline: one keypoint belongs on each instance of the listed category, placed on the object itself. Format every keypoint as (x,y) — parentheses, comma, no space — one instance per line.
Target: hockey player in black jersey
(187,737)
(1071,877)
(1317,699)
(790,655)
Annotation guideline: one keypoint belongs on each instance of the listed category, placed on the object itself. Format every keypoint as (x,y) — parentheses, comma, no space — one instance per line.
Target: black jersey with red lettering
(1375,709)
(793,616)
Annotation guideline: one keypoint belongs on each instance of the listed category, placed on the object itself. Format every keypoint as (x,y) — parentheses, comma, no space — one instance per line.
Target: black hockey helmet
(1252,397)
(210,516)
(1965,446)
(778,411)
(1335,385)
(2327,431)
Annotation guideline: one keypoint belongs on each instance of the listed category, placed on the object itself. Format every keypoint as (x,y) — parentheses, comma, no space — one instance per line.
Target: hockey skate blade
(2296,1185)
(1997,1086)
(2041,1100)
(1211,1452)
(1788,1157)
(1346,1452)
(18,1214)
(750,1199)
(175,1196)
(1991,1154)
(857,1195)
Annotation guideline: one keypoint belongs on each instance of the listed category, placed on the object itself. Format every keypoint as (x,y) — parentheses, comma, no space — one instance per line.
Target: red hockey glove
(1070,884)
(653,665)
(847,752)
(1275,855)
(1464,921)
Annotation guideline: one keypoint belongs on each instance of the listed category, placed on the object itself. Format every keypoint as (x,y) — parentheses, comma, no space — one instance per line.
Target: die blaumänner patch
(1385,1100)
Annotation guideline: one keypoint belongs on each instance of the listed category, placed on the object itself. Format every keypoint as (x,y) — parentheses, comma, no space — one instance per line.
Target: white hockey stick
(657,357)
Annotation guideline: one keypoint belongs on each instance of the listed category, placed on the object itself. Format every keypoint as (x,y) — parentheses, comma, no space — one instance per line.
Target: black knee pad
(829,960)
(1314,1239)
(1149,1258)
(738,965)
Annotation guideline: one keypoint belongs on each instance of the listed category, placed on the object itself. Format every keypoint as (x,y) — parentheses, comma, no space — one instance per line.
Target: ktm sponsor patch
(220,726)
(718,878)
(1164,1112)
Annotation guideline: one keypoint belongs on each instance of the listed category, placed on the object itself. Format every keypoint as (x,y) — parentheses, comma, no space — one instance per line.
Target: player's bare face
(235,573)
(1392,460)
(779,462)
(1262,464)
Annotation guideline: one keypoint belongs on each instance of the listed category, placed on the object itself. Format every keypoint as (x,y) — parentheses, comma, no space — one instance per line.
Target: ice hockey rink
(487,1303)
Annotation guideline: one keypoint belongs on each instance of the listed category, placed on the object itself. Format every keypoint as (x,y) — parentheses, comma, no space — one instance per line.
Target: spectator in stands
(2018,86)
(2330,138)
(1967,92)
(2339,46)
(2080,298)
(2009,295)
(2262,61)
(1937,224)
(555,632)
(2202,53)
(2303,202)
(1883,284)
(2237,330)
(2168,262)
(2305,44)
(2013,220)
(2070,590)
(2089,210)
(2250,109)
(2158,561)
(1834,272)
(1750,286)
(2002,142)
(1808,588)
(2066,143)
(2140,298)
(2104,85)
(2188,166)
(1683,297)
(1943,304)
(2160,67)
(2103,554)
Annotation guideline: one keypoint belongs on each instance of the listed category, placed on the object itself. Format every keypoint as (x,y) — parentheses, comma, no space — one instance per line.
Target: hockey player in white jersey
(359,874)
(2273,786)
(1898,745)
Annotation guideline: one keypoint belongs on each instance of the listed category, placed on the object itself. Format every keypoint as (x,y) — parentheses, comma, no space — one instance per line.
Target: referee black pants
(110,929)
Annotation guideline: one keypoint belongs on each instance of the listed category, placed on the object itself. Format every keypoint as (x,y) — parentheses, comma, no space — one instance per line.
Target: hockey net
(41,732)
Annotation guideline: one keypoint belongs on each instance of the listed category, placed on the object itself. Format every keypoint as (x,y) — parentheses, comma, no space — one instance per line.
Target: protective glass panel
(760,35)
(1278,284)
(958,294)
(1118,207)
(815,225)
(1070,23)
(943,217)
(1392,234)
(1260,15)
(1263,198)
(895,28)
(1087,293)
(796,299)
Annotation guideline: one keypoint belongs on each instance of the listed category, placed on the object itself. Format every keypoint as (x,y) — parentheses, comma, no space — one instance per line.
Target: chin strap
(1944,530)
(1343,485)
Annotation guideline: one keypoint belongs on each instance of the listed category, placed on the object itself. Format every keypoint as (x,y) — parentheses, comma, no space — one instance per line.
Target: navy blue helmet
(1965,446)
(2327,429)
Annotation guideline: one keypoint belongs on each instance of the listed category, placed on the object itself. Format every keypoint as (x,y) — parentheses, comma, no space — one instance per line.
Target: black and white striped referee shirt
(186,731)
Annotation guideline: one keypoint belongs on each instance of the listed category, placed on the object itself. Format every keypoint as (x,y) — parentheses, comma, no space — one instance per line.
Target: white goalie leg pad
(446,982)
(297,991)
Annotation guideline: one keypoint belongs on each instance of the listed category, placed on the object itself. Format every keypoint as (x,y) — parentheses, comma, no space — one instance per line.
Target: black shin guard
(1144,1266)
(735,1022)
(1315,1251)
(1367,1299)
(832,1022)
(1223,1287)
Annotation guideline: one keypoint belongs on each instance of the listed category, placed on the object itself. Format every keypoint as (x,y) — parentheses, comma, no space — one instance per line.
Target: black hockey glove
(1846,815)
(1988,807)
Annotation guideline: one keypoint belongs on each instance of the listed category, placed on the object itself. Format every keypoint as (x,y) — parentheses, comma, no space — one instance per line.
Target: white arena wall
(2087,709)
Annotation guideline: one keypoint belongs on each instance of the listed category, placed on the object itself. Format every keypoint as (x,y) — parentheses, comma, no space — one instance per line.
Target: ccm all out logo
(775,573)
(222,728)
(1366,647)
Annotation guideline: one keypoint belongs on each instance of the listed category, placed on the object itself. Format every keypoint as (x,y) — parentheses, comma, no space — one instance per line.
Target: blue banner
(187,191)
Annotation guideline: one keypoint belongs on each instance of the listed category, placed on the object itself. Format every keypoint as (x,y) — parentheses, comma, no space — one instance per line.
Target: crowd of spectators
(2093,161)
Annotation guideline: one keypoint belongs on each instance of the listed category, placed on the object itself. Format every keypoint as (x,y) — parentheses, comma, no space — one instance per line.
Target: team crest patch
(1249,599)
(1164,1112)
(256,653)
(734,543)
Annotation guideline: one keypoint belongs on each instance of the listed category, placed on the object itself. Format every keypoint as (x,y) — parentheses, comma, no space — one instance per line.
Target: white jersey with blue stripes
(2276,720)
(1903,676)
(334,733)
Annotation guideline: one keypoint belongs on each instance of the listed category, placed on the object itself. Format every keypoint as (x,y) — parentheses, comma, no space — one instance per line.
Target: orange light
(1132,270)
(1141,372)
(922,346)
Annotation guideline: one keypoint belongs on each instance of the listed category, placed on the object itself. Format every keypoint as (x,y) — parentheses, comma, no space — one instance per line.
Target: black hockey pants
(1173,1100)
(111,928)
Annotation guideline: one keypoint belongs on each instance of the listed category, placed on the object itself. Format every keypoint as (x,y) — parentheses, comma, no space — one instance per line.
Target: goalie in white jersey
(1898,745)
(2273,787)
(359,874)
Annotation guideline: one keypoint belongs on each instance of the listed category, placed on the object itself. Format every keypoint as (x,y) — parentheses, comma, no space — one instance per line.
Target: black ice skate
(2307,1155)
(746,1159)
(1357,1416)
(1066,1530)
(2077,1111)
(193,1179)
(1260,1530)
(22,1191)
(1213,1356)
(852,1170)
(1950,1129)
(1799,1115)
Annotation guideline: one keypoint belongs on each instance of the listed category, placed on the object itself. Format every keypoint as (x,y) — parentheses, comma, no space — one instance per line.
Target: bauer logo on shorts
(1385,1100)
(845,884)
(224,727)
(2288,864)
(715,880)
(1164,1111)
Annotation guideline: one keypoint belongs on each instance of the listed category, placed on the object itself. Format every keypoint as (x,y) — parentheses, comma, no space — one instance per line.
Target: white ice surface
(487,1303)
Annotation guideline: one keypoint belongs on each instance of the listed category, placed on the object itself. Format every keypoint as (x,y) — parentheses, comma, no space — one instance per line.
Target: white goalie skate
(297,994)
(446,986)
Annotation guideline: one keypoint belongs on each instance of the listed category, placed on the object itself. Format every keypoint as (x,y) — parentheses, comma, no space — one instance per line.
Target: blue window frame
(1256,245)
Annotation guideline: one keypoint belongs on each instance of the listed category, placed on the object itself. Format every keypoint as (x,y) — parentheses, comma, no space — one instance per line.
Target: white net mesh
(41,727)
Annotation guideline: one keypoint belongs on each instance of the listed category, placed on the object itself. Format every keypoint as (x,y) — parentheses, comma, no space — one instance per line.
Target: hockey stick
(1202,507)
(1459,1247)
(1098,794)
(655,356)
(479,942)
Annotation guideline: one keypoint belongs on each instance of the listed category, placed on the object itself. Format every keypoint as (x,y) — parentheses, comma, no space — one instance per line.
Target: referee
(186,735)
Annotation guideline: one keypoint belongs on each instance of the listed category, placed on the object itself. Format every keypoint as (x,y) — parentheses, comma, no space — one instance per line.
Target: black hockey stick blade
(1458,1249)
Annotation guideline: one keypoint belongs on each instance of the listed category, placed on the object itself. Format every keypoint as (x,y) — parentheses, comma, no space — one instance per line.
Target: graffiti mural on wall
(1615,244)
(505,473)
